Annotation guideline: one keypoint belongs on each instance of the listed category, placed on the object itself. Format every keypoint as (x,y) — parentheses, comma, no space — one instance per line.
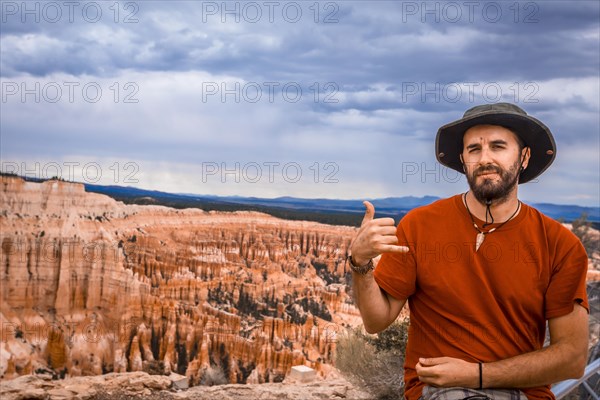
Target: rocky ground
(140,385)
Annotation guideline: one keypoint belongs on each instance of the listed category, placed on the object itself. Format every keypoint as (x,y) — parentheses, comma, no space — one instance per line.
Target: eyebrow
(493,142)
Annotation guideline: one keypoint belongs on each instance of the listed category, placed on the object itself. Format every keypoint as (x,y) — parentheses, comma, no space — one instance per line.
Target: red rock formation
(90,285)
(140,385)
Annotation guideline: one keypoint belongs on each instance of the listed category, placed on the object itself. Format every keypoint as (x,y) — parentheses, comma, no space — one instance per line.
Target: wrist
(360,266)
(358,261)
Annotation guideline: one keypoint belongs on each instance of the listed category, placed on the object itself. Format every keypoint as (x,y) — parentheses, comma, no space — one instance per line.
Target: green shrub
(393,338)
(375,361)
(582,228)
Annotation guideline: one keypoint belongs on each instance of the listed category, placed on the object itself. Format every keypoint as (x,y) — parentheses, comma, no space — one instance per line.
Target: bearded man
(483,273)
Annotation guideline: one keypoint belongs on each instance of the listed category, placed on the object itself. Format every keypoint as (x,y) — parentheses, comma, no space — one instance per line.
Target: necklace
(481,234)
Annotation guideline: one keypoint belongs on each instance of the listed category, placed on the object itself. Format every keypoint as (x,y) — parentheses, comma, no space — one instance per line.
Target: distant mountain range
(329,211)
(346,212)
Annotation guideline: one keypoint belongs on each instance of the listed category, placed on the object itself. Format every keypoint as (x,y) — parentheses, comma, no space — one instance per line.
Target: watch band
(361,269)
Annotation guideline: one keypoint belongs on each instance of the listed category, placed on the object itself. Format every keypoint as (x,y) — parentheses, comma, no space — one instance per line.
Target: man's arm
(375,236)
(564,358)
(377,308)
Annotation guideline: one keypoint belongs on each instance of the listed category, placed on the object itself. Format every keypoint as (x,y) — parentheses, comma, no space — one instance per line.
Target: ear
(525,156)
(462,162)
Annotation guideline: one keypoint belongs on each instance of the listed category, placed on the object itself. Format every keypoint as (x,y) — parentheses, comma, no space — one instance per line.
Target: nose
(482,159)
(485,157)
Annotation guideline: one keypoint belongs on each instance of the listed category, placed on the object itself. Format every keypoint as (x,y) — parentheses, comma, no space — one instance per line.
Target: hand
(374,237)
(448,372)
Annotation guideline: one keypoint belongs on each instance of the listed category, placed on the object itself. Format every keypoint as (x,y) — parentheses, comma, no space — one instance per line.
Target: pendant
(480,238)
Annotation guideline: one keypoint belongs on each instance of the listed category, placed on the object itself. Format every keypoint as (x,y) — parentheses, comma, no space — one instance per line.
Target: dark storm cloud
(386,44)
(391,68)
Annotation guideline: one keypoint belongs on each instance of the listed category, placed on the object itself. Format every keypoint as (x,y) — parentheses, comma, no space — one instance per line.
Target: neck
(501,209)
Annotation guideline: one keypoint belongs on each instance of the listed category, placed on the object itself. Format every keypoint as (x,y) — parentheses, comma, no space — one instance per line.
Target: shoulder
(437,209)
(554,230)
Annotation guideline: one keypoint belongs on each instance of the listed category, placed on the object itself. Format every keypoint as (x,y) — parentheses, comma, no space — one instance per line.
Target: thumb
(428,362)
(369,213)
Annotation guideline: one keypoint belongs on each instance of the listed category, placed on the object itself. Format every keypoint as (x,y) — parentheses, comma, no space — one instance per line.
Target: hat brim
(535,135)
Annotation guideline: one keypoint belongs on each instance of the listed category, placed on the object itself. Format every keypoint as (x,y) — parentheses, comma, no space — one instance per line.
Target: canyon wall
(89,285)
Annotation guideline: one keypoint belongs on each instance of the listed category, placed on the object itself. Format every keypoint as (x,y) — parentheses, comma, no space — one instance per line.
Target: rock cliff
(141,386)
(91,286)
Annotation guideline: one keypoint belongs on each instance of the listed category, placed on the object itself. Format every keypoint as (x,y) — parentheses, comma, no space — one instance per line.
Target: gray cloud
(375,85)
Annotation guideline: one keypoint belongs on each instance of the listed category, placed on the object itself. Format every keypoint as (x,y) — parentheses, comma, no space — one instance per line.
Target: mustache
(487,168)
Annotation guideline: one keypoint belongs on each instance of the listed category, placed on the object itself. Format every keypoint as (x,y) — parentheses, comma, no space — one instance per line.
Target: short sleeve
(396,272)
(567,283)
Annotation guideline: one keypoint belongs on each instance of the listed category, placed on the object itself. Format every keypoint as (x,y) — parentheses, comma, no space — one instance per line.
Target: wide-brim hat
(534,134)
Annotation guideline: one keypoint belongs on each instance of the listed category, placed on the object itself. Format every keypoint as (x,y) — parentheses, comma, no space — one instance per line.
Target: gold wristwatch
(362,269)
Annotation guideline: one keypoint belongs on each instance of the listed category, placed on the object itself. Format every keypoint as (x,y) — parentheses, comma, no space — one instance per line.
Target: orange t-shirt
(486,305)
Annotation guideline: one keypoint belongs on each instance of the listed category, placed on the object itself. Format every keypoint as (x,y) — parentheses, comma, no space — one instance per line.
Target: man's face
(492,161)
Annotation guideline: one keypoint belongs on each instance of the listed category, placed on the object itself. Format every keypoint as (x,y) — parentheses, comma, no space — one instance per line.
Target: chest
(506,270)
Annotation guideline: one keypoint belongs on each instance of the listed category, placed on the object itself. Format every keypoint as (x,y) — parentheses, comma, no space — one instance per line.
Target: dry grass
(375,363)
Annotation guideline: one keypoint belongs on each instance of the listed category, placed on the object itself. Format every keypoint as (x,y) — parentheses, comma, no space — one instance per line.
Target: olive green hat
(533,133)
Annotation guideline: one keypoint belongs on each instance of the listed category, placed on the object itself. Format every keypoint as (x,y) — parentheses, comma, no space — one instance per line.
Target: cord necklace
(481,234)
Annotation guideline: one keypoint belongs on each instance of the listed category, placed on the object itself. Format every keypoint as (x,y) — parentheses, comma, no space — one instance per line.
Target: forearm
(374,305)
(564,358)
(542,367)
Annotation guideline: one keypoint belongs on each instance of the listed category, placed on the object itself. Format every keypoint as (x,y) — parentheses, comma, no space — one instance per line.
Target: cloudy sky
(333,99)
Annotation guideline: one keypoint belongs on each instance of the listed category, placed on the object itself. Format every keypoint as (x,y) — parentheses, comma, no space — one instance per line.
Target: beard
(490,189)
